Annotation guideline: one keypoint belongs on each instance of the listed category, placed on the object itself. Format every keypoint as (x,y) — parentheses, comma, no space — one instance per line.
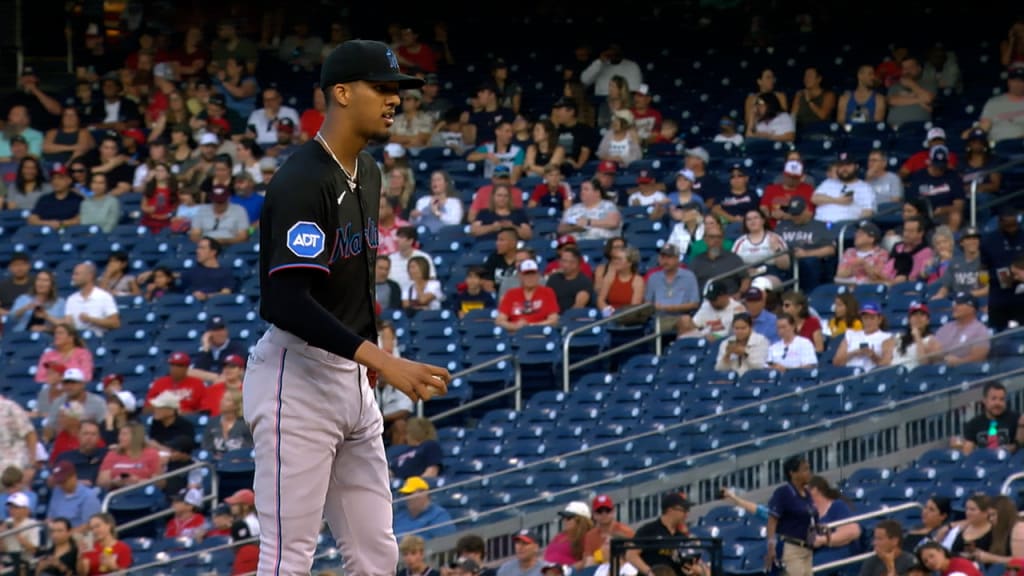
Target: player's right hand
(417,381)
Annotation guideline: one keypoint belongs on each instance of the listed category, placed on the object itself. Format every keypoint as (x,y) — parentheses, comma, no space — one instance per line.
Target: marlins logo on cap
(392,60)
(306,239)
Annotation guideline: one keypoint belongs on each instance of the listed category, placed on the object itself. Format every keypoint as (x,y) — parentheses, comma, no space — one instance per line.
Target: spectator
(744,350)
(50,391)
(648,192)
(889,558)
(115,163)
(864,348)
(387,292)
(229,379)
(770,121)
(413,126)
(553,192)
(529,304)
(791,351)
(167,424)
(482,197)
(162,283)
(919,160)
(1007,536)
(964,272)
(99,209)
(865,262)
(714,318)
(864,104)
(605,174)
(89,455)
(69,350)
(758,243)
(526,557)
(845,315)
(121,407)
(130,461)
(39,310)
(978,163)
(567,546)
(887,185)
(423,458)
(388,221)
(207,277)
(1000,258)
(471,547)
(689,229)
(671,524)
(108,554)
(264,122)
(756,301)
(731,206)
(20,548)
(777,197)
(243,509)
(29,183)
(910,98)
(814,104)
(92,405)
(609,64)
(500,215)
(186,390)
(621,287)
(13,483)
(597,541)
(220,522)
(17,282)
(501,264)
(160,199)
(70,498)
(593,217)
(413,550)
(832,544)
(407,240)
(227,430)
(186,522)
(220,220)
(91,307)
(672,290)
(19,124)
(807,324)
(544,153)
(442,207)
(420,515)
(178,455)
(974,532)
(500,152)
(621,144)
(965,328)
(683,195)
(115,278)
(424,293)
(215,347)
(473,296)
(61,206)
(1001,115)
(845,197)
(996,427)
(716,262)
(934,521)
(61,556)
(917,345)
(63,429)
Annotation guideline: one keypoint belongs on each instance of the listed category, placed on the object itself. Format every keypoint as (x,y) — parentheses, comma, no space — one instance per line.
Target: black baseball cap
(796,206)
(367,60)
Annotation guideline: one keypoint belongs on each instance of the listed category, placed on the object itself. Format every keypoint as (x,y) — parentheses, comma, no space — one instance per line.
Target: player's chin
(380,136)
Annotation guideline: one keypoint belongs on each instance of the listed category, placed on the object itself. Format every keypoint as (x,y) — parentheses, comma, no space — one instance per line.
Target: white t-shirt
(451,210)
(863,199)
(717,322)
(751,252)
(854,339)
(619,148)
(781,124)
(393,400)
(400,268)
(432,287)
(30,531)
(265,129)
(579,212)
(681,237)
(797,354)
(639,199)
(99,304)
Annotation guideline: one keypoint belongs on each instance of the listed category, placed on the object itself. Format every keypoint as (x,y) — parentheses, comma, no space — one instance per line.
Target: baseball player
(308,386)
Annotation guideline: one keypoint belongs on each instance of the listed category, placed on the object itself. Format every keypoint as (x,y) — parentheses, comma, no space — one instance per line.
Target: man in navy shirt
(942,187)
(89,455)
(207,278)
(60,207)
(998,251)
(791,518)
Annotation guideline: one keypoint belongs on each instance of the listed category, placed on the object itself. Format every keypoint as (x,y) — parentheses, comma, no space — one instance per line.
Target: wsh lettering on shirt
(349,243)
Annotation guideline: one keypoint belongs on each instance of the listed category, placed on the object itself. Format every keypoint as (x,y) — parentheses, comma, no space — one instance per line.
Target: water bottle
(993,435)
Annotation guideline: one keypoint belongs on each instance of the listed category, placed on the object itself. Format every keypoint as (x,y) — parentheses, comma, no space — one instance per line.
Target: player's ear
(341,93)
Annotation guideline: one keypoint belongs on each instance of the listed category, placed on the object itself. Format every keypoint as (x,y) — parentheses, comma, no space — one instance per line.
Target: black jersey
(312,220)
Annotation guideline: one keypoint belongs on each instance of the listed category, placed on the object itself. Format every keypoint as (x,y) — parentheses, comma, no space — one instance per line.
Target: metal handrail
(551,496)
(975,178)
(738,271)
(1004,489)
(875,514)
(517,388)
(40,525)
(842,229)
(619,314)
(752,404)
(842,562)
(186,556)
(194,466)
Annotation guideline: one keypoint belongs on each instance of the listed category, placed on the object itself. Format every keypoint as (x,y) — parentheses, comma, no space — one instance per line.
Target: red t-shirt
(212,397)
(919,161)
(776,195)
(641,118)
(811,325)
(482,198)
(144,467)
(425,59)
(553,266)
(188,527)
(190,390)
(962,566)
(246,559)
(66,442)
(543,304)
(164,204)
(310,122)
(119,549)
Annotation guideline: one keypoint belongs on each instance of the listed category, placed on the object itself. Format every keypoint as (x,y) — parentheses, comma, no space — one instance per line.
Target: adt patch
(306,239)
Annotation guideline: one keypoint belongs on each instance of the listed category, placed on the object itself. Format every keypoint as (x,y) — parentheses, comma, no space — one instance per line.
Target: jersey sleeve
(300,230)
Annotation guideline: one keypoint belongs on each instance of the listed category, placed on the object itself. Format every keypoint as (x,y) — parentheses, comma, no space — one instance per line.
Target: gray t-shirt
(512,568)
(103,212)
(95,408)
(1007,117)
(961,275)
(813,234)
(874,566)
(888,188)
(221,226)
(912,112)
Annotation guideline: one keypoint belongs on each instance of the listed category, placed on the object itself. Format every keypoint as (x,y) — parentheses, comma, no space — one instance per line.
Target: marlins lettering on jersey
(347,244)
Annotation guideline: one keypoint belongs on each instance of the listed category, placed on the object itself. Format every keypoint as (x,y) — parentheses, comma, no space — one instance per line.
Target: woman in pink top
(566,548)
(68,349)
(130,461)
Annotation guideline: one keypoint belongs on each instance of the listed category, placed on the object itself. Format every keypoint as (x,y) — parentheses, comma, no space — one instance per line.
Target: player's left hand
(417,381)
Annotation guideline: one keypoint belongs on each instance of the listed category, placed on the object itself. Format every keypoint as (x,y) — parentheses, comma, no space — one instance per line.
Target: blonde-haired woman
(442,207)
(423,456)
(566,548)
(228,431)
(620,144)
(400,184)
(130,461)
(69,349)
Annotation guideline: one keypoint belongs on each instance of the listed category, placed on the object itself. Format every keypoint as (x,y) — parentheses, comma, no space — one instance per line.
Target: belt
(796,542)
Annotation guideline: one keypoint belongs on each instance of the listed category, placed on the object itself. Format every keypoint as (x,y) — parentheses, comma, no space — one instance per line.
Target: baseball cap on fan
(367,60)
